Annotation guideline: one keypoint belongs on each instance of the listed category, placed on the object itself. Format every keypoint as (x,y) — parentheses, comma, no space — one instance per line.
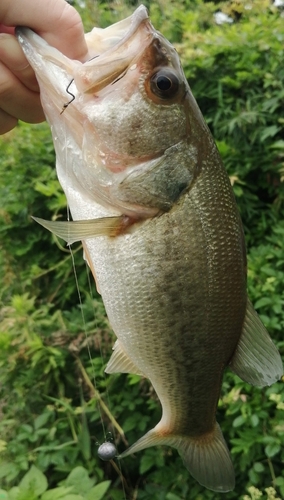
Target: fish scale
(145,305)
(155,211)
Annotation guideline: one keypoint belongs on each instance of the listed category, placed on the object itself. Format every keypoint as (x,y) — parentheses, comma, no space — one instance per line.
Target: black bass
(154,208)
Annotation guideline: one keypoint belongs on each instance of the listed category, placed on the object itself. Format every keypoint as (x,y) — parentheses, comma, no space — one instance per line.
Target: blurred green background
(56,404)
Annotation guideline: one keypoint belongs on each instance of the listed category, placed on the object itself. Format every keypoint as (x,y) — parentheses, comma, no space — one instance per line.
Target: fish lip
(121,47)
(108,65)
(119,31)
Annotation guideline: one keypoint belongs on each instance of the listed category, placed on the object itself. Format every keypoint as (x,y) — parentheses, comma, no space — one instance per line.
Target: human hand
(60,25)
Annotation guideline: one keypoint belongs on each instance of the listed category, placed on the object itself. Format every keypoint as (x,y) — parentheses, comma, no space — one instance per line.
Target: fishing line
(104,451)
(116,467)
(96,395)
(68,214)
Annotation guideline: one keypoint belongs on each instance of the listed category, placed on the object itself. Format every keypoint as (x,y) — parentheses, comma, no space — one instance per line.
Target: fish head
(133,96)
(122,122)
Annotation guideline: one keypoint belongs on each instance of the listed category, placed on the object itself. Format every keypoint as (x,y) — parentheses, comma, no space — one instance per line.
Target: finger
(6,29)
(55,20)
(7,122)
(12,56)
(17,100)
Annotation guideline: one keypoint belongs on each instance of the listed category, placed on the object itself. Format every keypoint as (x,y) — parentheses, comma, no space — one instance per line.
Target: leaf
(41,420)
(34,481)
(258,467)
(278,144)
(147,461)
(238,421)
(264,301)
(254,420)
(172,496)
(84,439)
(79,479)
(73,497)
(14,493)
(98,491)
(272,449)
(70,496)
(3,495)
(269,132)
(56,493)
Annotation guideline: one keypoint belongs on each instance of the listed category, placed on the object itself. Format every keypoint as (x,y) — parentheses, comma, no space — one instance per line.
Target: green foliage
(243,103)
(77,486)
(56,403)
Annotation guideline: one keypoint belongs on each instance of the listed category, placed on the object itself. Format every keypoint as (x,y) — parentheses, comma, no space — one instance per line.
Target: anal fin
(256,359)
(120,362)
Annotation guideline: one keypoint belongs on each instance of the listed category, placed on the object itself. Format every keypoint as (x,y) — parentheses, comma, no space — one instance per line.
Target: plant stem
(272,472)
(95,394)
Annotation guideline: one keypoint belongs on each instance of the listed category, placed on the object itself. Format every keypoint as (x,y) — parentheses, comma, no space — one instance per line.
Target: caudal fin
(206,457)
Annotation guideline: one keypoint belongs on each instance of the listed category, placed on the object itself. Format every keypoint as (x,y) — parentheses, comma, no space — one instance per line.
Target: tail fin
(206,457)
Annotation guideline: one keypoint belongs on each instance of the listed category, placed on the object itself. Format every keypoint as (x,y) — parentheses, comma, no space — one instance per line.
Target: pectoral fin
(256,359)
(120,362)
(72,231)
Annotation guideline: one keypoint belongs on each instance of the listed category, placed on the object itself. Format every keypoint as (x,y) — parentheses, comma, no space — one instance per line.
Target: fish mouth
(113,50)
(99,119)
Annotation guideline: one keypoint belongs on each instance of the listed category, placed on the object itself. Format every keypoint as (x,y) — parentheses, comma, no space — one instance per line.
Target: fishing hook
(70,93)
(71,100)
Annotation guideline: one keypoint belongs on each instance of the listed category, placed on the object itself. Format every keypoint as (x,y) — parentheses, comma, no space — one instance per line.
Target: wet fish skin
(173,279)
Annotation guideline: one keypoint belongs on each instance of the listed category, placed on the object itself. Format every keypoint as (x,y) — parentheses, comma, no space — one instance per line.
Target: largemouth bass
(154,208)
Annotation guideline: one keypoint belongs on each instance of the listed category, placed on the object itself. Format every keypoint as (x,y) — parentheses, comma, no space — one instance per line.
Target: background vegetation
(56,404)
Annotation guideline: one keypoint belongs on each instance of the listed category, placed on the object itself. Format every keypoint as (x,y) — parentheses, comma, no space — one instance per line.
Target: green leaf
(264,301)
(72,497)
(98,491)
(269,132)
(3,495)
(278,144)
(172,496)
(133,379)
(272,449)
(238,421)
(147,461)
(41,420)
(34,481)
(56,493)
(84,439)
(79,479)
(254,420)
(258,467)
(14,493)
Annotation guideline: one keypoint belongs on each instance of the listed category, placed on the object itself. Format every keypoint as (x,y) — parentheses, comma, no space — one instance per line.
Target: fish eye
(164,83)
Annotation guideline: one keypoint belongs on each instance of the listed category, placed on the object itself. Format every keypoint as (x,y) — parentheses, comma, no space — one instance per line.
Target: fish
(154,208)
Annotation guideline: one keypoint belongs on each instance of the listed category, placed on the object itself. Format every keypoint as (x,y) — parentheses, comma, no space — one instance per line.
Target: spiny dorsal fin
(256,359)
(72,231)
